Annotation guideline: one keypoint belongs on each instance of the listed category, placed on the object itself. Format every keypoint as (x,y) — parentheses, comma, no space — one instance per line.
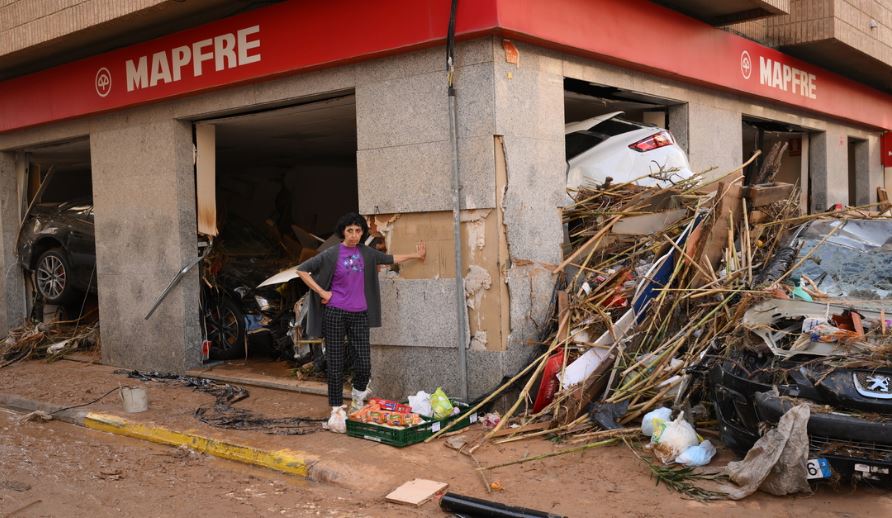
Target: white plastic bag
(338,421)
(699,455)
(421,403)
(654,418)
(672,438)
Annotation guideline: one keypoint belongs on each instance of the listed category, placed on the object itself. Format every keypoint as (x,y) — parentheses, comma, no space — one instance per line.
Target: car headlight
(262,303)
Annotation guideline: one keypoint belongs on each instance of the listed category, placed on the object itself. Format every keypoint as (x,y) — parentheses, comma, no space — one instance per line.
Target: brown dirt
(605,481)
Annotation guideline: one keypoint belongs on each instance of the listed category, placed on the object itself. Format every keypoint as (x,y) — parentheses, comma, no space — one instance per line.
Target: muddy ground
(79,472)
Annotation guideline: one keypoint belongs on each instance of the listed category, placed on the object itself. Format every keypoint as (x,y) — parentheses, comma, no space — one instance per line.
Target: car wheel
(226,330)
(52,275)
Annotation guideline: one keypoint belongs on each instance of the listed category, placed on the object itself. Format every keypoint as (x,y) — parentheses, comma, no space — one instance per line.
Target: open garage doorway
(56,245)
(784,157)
(623,135)
(271,186)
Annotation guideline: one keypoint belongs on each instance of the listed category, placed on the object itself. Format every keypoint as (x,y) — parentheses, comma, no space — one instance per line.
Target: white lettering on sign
(789,79)
(225,51)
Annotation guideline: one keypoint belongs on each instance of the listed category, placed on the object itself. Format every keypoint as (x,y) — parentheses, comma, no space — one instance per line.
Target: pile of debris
(655,287)
(50,340)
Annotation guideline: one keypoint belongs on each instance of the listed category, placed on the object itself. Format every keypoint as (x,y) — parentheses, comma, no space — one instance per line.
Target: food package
(392,406)
(374,414)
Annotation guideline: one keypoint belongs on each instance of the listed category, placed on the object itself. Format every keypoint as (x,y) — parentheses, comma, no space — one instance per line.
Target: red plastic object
(549,385)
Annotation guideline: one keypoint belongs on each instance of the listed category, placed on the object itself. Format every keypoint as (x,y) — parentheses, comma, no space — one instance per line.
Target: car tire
(53,277)
(226,330)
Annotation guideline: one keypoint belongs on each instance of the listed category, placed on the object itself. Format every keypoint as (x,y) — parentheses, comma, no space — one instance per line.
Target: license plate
(817,468)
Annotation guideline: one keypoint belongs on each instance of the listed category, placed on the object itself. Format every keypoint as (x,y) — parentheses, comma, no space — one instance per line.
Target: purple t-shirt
(348,283)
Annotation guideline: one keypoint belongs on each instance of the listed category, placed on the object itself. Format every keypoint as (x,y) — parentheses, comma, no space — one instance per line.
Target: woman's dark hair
(352,218)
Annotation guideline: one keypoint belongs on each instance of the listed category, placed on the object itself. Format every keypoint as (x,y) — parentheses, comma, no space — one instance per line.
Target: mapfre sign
(780,76)
(299,35)
(209,55)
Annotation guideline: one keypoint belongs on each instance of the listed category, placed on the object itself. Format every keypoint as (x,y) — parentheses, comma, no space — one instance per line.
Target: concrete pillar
(12,290)
(678,124)
(404,165)
(863,191)
(715,139)
(829,166)
(144,194)
(817,176)
(529,100)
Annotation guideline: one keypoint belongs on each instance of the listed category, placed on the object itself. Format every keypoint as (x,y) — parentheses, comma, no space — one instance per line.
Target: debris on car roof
(654,288)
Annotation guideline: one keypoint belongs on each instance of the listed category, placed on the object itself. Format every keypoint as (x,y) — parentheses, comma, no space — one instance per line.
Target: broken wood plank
(416,492)
(766,194)
(883,200)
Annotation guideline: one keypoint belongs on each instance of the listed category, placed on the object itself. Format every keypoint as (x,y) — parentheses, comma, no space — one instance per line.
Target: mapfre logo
(103,82)
(746,65)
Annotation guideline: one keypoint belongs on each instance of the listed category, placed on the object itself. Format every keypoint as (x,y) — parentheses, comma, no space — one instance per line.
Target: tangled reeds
(656,282)
(50,340)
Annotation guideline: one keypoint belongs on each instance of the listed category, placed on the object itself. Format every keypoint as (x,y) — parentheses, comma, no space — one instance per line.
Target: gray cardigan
(322,267)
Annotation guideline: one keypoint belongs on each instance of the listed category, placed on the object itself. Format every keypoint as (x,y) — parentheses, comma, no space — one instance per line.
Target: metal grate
(848,448)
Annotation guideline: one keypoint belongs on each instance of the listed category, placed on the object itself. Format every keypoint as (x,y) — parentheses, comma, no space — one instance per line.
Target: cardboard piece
(416,492)
(648,223)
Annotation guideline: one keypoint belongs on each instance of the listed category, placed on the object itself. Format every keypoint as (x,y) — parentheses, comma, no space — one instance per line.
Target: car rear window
(581,141)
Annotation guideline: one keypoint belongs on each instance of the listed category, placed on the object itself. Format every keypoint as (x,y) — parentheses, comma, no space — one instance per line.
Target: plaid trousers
(336,324)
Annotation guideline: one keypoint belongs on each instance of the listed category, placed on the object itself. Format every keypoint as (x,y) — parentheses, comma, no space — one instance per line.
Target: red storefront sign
(887,149)
(300,35)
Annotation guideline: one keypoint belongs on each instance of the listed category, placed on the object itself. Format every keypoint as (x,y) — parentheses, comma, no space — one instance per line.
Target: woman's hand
(325,296)
(420,251)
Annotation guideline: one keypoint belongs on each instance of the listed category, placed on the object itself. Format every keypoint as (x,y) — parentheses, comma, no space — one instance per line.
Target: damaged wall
(426,290)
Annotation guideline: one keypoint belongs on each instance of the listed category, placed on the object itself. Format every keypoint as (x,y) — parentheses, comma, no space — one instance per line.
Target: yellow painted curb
(287,461)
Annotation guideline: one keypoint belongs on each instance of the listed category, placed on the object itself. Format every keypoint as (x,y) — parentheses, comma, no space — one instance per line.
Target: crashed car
(57,246)
(607,146)
(830,347)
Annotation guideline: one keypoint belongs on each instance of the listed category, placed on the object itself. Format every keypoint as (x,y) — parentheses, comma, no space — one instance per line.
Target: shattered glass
(855,262)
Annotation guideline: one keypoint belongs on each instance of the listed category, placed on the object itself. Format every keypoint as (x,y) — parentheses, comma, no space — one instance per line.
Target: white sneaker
(359,398)
(338,421)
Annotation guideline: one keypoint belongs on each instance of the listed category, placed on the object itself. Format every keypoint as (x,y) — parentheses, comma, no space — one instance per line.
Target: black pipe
(475,507)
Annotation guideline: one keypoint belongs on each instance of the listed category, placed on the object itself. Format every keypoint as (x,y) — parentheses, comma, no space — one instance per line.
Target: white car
(607,147)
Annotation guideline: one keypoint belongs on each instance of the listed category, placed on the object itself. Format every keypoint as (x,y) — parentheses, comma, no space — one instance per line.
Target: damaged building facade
(343,106)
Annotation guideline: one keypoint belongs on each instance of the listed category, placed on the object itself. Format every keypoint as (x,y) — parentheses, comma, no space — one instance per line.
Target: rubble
(655,285)
(51,340)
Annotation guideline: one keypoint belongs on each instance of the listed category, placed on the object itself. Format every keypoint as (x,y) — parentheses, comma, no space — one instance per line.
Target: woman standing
(346,301)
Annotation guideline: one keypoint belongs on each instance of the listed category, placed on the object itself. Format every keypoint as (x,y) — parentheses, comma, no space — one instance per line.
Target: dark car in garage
(57,246)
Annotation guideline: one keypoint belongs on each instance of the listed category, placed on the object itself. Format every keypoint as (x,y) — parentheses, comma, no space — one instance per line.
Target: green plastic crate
(410,435)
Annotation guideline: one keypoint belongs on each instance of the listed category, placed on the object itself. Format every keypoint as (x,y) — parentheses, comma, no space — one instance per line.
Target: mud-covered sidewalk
(604,481)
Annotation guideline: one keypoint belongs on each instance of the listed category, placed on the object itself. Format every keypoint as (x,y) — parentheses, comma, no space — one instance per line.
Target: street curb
(293,462)
(287,461)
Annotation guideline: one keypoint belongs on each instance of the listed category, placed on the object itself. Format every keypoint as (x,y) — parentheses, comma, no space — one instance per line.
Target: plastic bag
(653,419)
(670,439)
(440,404)
(699,455)
(421,403)
(338,421)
